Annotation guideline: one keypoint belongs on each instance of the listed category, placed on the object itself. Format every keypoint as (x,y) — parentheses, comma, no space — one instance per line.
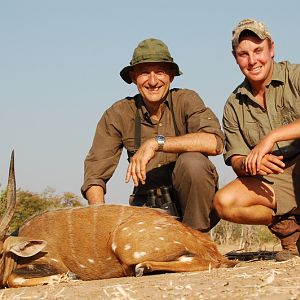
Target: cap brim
(125,71)
(125,74)
(259,34)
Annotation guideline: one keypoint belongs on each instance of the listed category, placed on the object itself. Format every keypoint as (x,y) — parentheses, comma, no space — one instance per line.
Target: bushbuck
(98,242)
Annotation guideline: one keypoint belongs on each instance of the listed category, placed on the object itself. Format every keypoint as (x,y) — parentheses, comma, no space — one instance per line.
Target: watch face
(161,141)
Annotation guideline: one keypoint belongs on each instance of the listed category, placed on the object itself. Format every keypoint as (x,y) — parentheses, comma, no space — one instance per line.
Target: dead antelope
(99,242)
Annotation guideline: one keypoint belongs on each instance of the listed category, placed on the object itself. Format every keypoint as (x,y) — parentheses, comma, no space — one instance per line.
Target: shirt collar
(278,73)
(277,76)
(145,112)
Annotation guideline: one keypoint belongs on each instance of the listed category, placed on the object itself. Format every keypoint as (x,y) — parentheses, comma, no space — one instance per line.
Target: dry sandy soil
(252,279)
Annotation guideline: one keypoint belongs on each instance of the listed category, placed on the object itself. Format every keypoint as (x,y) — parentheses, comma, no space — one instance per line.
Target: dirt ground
(251,279)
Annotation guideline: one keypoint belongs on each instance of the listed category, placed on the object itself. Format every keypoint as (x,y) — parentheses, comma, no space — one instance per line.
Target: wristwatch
(160,141)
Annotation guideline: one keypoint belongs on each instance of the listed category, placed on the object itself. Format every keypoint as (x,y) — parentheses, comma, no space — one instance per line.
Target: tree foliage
(244,236)
(29,204)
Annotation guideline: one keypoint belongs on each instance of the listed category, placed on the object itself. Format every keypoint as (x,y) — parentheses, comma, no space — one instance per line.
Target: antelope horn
(10,199)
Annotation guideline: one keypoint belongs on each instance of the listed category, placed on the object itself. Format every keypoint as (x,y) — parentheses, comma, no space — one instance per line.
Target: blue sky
(60,63)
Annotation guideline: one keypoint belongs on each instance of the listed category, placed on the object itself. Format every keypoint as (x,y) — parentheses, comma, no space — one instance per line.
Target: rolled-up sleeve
(104,155)
(201,118)
(234,143)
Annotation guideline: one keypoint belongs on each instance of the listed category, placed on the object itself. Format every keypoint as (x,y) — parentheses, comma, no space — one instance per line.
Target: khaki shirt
(116,129)
(245,122)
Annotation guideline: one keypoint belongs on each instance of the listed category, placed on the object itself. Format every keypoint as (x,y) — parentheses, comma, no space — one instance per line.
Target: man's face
(255,59)
(153,81)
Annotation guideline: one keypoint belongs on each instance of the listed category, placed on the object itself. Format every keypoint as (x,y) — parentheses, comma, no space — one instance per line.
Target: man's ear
(233,53)
(272,47)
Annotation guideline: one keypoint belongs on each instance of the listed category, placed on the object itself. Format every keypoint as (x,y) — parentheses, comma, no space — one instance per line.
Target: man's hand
(260,161)
(137,166)
(269,164)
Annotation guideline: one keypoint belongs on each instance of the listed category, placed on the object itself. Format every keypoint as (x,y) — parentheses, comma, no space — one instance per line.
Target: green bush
(244,236)
(29,203)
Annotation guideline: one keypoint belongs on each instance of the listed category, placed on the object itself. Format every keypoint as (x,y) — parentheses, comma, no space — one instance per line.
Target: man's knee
(193,164)
(223,204)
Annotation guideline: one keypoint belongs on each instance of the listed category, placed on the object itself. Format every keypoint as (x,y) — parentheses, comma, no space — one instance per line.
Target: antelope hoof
(72,276)
(141,269)
(65,277)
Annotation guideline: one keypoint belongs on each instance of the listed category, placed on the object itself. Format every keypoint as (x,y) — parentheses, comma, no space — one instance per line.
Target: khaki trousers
(194,180)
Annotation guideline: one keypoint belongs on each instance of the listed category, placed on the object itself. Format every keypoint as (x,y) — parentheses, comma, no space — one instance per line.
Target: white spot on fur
(156,249)
(82,266)
(91,261)
(125,228)
(129,234)
(18,280)
(114,246)
(185,258)
(176,242)
(53,259)
(127,247)
(157,227)
(162,238)
(142,230)
(140,223)
(109,258)
(139,254)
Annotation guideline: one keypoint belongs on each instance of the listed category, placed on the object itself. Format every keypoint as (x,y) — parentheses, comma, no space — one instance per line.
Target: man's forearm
(238,165)
(95,195)
(203,142)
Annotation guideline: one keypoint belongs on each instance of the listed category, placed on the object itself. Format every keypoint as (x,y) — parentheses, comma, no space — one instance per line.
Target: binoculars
(161,198)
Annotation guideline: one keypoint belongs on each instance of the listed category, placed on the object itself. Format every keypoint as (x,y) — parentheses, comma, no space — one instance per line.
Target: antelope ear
(25,247)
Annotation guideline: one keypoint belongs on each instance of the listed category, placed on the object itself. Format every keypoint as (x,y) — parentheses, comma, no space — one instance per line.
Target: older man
(261,124)
(168,134)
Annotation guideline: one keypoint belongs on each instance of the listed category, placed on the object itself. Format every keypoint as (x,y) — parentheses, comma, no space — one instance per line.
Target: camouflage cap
(150,50)
(257,27)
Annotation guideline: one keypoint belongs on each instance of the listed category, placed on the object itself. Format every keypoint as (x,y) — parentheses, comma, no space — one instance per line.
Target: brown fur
(108,241)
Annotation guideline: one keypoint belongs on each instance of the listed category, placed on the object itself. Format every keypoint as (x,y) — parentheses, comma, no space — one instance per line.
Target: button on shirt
(116,130)
(245,122)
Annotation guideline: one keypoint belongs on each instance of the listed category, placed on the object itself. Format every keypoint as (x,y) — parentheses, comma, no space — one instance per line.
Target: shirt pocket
(252,133)
(288,115)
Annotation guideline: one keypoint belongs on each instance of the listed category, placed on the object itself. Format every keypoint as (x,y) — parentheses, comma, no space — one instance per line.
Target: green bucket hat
(257,27)
(150,50)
